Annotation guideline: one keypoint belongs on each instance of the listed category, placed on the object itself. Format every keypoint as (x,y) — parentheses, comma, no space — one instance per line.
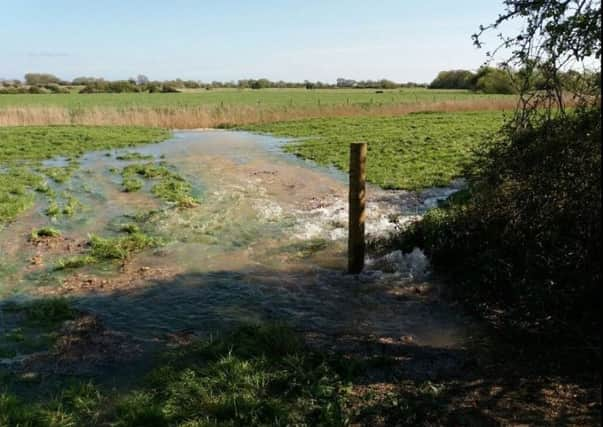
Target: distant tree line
(49,83)
(484,80)
(504,81)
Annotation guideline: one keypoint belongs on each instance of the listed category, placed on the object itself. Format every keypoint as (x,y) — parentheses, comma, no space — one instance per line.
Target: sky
(292,40)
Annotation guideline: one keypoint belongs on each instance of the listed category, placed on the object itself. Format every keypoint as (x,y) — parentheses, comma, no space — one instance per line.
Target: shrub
(453,79)
(528,240)
(493,80)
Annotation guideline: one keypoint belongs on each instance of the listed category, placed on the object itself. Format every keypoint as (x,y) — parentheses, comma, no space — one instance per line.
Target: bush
(493,80)
(528,240)
(454,79)
(101,86)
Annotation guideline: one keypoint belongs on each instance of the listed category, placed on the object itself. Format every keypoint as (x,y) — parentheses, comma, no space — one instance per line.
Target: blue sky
(231,39)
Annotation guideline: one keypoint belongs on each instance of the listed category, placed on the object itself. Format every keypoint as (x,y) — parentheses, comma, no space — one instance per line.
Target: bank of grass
(22,150)
(409,152)
(256,375)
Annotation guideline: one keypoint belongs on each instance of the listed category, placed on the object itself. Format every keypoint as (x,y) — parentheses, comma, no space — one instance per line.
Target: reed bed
(204,116)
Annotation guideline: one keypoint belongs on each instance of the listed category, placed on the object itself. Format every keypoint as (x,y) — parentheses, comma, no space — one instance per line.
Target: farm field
(411,152)
(229,108)
(248,97)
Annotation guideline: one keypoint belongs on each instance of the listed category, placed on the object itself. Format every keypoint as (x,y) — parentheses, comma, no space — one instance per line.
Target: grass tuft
(45,232)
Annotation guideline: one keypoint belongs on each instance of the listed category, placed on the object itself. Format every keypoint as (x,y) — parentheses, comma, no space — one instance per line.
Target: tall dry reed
(227,116)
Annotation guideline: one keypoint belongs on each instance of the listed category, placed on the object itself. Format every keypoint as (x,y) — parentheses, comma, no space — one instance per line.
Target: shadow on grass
(267,348)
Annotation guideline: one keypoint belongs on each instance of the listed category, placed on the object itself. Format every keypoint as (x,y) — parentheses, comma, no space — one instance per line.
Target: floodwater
(267,242)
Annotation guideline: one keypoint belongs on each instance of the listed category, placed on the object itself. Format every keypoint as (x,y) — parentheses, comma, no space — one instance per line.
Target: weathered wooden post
(357,207)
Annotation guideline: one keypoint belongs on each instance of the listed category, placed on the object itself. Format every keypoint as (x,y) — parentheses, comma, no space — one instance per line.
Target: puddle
(267,241)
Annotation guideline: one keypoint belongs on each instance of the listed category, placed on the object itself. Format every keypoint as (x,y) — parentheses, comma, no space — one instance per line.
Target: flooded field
(263,238)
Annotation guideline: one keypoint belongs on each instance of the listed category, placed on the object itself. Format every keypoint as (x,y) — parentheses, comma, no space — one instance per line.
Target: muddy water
(266,242)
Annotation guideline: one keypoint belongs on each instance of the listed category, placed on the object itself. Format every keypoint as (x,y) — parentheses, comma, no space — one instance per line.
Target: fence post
(357,207)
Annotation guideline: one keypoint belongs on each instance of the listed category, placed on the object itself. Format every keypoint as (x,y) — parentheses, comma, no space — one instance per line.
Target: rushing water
(266,242)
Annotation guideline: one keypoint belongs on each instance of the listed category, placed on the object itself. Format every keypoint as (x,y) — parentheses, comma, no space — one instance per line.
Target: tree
(525,239)
(493,80)
(453,79)
(34,79)
(554,35)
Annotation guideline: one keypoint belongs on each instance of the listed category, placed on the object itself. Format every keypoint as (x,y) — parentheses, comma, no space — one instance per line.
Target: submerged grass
(120,248)
(44,311)
(409,152)
(22,150)
(169,186)
(110,248)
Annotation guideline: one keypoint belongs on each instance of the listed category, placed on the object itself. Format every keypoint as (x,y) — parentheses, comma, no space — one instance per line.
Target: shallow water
(266,242)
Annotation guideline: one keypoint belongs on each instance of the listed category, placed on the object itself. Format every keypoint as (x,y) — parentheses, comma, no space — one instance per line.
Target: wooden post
(357,207)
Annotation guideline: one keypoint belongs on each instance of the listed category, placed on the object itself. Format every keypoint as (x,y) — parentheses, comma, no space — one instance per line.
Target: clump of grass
(15,194)
(146,170)
(174,189)
(132,184)
(170,187)
(72,205)
(129,228)
(74,262)
(45,232)
(120,248)
(133,155)
(59,174)
(53,210)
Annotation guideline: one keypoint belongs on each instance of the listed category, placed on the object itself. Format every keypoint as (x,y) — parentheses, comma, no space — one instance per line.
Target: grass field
(267,97)
(228,108)
(409,152)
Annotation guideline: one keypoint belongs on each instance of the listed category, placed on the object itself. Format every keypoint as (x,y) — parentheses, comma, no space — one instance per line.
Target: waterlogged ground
(263,239)
(139,250)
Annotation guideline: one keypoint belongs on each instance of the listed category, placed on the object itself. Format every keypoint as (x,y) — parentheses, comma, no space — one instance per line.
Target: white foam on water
(413,265)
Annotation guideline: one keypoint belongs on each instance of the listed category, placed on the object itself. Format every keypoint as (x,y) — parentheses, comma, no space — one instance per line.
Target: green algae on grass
(411,152)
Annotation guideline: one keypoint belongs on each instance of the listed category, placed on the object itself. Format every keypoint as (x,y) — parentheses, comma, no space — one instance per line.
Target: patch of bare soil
(128,278)
(53,246)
